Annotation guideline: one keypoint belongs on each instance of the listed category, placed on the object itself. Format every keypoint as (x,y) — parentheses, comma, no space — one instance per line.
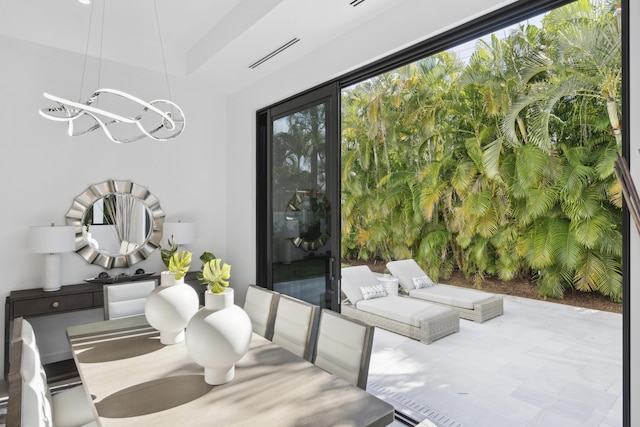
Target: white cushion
(402,309)
(257,304)
(422,282)
(72,408)
(339,347)
(355,277)
(35,408)
(451,295)
(405,270)
(291,329)
(375,291)
(30,366)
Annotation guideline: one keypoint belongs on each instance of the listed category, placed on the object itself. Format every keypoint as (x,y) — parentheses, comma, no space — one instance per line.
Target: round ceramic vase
(170,306)
(218,335)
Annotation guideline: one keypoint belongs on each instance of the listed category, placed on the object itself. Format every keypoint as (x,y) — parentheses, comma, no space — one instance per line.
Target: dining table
(134,380)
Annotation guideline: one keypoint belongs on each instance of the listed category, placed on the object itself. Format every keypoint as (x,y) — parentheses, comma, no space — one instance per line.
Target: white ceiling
(200,37)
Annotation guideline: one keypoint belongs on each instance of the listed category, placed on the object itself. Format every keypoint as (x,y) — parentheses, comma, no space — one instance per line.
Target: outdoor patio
(540,364)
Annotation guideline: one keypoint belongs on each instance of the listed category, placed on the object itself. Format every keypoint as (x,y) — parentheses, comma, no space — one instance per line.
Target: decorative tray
(119,278)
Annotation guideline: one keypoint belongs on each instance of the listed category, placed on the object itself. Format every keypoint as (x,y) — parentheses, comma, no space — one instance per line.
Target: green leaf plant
(179,263)
(216,275)
(205,257)
(167,253)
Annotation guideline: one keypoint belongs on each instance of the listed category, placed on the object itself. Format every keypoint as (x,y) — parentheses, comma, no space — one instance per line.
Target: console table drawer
(53,304)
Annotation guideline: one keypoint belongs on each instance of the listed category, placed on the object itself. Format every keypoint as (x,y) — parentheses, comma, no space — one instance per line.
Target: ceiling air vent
(275,52)
(355,3)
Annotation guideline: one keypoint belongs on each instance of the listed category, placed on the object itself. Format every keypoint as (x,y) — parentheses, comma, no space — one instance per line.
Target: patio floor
(540,364)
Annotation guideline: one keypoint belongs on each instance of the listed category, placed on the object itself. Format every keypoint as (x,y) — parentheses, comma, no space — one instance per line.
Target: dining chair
(39,406)
(261,305)
(295,326)
(344,347)
(126,299)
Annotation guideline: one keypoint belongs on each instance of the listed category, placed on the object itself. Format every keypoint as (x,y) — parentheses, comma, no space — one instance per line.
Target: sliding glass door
(298,235)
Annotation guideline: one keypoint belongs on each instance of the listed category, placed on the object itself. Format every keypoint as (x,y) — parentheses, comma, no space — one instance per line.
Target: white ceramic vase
(218,335)
(170,306)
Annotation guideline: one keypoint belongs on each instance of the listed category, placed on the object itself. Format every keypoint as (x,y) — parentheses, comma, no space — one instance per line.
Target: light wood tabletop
(134,380)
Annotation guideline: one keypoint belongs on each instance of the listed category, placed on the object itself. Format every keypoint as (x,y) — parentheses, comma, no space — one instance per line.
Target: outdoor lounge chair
(472,304)
(368,301)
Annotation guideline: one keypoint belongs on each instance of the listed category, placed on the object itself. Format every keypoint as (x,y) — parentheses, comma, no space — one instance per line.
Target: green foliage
(167,253)
(216,275)
(179,263)
(205,257)
(499,166)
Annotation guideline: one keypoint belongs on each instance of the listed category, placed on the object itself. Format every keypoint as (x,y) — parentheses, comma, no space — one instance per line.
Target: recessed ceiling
(199,37)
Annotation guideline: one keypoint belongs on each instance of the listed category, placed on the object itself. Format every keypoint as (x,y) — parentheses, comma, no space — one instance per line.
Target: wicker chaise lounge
(471,304)
(413,318)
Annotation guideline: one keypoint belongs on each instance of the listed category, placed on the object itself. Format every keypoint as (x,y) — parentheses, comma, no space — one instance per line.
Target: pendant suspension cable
(164,62)
(104,6)
(86,52)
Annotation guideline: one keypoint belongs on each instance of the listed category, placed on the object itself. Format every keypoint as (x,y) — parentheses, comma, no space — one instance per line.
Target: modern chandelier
(160,119)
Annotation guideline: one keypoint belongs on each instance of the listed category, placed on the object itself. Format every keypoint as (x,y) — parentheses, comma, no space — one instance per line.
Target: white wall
(43,169)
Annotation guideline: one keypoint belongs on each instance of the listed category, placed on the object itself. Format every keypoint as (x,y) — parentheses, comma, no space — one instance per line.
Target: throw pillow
(422,282)
(375,291)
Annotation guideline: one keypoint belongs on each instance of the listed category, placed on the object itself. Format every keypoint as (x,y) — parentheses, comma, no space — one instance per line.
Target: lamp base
(52,273)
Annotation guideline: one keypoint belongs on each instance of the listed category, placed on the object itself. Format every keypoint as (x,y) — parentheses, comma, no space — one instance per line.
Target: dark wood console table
(36,302)
(83,296)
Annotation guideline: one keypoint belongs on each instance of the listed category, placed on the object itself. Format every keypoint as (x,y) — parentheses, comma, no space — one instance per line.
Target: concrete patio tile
(540,364)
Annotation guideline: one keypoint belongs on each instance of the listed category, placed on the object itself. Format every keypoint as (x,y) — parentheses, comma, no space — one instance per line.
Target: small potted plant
(177,263)
(170,306)
(219,334)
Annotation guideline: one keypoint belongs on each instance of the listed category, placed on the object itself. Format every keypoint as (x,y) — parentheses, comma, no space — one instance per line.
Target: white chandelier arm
(170,121)
(149,106)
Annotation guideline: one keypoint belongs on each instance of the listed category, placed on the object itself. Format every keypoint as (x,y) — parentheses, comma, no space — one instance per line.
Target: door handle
(332,275)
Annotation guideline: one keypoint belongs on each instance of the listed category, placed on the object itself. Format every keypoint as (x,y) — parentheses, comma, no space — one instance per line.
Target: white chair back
(294,327)
(126,299)
(27,334)
(261,305)
(35,408)
(344,347)
(31,403)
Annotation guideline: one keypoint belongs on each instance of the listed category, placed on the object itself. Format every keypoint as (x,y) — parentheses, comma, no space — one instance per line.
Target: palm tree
(571,90)
(501,166)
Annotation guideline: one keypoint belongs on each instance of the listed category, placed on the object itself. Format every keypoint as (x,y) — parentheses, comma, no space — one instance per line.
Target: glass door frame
(329,93)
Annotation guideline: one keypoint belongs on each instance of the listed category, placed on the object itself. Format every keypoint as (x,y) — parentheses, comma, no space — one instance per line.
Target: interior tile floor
(540,364)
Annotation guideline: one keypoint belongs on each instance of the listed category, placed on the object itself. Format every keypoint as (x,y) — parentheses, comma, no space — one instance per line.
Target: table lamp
(183,232)
(52,240)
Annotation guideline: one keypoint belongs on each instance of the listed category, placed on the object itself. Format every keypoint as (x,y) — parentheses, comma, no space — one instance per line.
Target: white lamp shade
(52,239)
(183,232)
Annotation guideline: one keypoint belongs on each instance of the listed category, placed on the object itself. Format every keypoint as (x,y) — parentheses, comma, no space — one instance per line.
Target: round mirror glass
(118,223)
